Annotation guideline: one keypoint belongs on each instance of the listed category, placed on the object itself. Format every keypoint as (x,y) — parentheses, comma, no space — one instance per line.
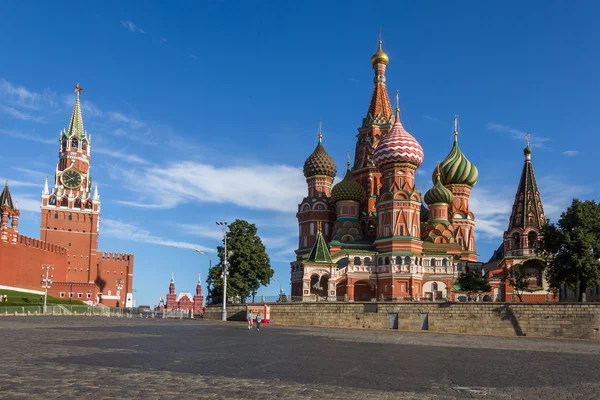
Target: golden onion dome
(380,57)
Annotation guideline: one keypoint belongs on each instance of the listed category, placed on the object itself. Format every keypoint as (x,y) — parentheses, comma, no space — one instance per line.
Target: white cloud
(492,209)
(571,153)
(125,231)
(535,140)
(27,136)
(17,183)
(163,40)
(30,172)
(131,27)
(88,108)
(266,187)
(201,231)
(130,158)
(22,115)
(194,57)
(132,122)
(430,118)
(24,98)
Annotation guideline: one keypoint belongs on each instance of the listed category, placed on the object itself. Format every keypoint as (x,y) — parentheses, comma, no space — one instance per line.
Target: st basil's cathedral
(371,236)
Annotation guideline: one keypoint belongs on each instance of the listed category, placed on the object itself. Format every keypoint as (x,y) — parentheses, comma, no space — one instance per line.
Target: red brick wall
(21,263)
(109,268)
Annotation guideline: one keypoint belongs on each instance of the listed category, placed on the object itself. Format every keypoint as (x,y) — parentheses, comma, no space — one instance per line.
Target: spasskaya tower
(70,211)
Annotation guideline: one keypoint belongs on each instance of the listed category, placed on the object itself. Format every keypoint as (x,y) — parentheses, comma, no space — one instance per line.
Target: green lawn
(16,298)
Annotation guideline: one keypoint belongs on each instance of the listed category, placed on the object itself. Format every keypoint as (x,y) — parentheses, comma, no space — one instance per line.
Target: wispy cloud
(261,186)
(536,141)
(132,122)
(26,203)
(571,153)
(353,80)
(22,115)
(163,40)
(194,57)
(127,231)
(88,108)
(30,172)
(19,183)
(430,118)
(22,97)
(130,158)
(27,136)
(139,137)
(201,231)
(131,27)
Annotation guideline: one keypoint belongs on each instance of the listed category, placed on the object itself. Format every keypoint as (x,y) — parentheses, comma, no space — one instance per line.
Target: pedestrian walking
(258,319)
(249,319)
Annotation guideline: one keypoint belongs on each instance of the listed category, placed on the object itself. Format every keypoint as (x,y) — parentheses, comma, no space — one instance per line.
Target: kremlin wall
(70,221)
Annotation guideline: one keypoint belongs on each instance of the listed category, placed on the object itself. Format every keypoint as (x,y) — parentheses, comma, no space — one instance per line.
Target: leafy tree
(249,266)
(472,282)
(519,282)
(572,247)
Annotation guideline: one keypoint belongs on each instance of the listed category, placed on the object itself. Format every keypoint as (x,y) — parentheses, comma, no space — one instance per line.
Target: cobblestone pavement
(71,357)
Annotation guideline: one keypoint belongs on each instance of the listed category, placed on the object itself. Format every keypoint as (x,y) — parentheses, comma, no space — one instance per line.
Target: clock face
(71,179)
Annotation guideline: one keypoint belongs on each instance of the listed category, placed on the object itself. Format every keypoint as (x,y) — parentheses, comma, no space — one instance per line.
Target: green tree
(572,247)
(473,283)
(519,282)
(249,266)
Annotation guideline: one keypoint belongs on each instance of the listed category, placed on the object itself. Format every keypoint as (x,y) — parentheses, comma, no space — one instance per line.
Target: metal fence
(60,309)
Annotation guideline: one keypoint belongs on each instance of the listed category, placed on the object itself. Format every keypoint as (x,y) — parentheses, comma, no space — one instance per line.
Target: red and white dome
(398,146)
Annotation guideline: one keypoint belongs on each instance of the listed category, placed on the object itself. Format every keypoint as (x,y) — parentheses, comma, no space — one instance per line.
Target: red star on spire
(78,88)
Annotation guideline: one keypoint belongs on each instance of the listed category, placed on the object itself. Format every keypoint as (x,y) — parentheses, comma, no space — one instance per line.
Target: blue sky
(205,111)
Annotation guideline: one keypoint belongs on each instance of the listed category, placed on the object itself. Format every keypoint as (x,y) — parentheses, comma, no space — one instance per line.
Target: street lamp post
(223,226)
(46,282)
(71,292)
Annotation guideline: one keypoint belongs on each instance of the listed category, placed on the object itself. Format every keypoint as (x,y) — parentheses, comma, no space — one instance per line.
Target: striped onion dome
(319,163)
(456,169)
(348,189)
(398,146)
(438,193)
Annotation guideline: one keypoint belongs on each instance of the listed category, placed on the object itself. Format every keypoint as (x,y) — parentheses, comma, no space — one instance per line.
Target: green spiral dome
(319,163)
(438,193)
(348,189)
(456,169)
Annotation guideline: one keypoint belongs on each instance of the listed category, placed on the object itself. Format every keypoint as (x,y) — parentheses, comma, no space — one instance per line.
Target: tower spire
(397,105)
(46,191)
(527,209)
(348,162)
(455,128)
(76,123)
(320,130)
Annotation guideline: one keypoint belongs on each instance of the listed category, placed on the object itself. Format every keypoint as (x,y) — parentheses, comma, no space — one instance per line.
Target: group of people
(4,298)
(251,317)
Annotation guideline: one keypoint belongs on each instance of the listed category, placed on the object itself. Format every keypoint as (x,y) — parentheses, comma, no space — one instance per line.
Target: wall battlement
(41,245)
(116,256)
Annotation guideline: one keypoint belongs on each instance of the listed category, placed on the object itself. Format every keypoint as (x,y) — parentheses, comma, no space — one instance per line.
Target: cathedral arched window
(516,241)
(356,260)
(433,262)
(63,144)
(434,287)
(380,261)
(532,239)
(444,262)
(407,260)
(74,143)
(398,260)
(367,261)
(387,261)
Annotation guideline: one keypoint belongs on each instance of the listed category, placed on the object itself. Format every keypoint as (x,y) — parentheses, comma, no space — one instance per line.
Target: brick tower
(319,170)
(375,126)
(398,156)
(459,175)
(172,297)
(70,213)
(9,217)
(198,299)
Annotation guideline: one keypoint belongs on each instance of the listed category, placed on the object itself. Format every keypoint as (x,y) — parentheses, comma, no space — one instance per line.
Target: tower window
(55,215)
(70,218)
(74,143)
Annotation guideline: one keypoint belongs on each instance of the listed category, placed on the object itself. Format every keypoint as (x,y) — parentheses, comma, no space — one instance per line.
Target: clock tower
(70,208)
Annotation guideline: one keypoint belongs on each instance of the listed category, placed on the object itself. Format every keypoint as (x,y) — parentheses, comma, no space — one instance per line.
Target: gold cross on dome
(78,88)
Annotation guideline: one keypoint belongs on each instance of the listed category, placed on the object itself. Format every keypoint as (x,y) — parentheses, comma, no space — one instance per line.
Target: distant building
(69,230)
(184,300)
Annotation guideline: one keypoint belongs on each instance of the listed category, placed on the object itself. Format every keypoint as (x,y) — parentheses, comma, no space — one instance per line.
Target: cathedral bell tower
(70,211)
